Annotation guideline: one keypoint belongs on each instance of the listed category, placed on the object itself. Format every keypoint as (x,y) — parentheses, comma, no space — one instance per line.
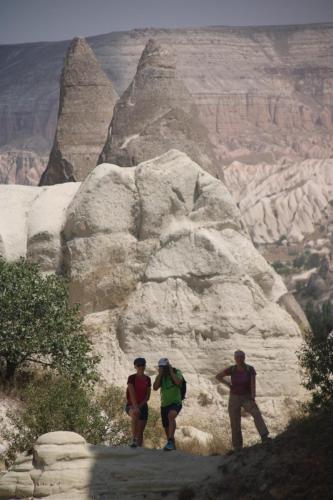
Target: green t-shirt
(170,392)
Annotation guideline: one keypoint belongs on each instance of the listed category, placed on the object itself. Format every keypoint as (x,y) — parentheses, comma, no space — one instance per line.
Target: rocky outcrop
(161,263)
(262,92)
(63,466)
(31,222)
(157,113)
(286,199)
(87,99)
(21,167)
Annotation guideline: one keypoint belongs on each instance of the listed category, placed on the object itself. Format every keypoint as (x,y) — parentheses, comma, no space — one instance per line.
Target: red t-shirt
(240,379)
(141,386)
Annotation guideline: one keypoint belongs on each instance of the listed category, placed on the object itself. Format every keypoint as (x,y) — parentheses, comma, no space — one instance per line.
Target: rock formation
(64,467)
(161,262)
(87,99)
(157,113)
(21,167)
(286,199)
(262,92)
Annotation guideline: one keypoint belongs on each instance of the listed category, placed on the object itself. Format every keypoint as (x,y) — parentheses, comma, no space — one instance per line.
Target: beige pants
(235,405)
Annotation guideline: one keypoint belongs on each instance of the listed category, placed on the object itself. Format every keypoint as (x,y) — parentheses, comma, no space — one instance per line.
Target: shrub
(320,318)
(51,404)
(38,325)
(316,357)
(299,261)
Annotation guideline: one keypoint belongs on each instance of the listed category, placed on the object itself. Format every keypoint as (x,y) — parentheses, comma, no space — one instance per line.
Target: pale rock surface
(31,222)
(65,467)
(177,276)
(162,265)
(284,199)
(87,99)
(155,114)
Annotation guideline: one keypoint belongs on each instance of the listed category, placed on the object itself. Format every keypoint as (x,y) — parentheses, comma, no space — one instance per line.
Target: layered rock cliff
(161,263)
(21,167)
(157,113)
(87,99)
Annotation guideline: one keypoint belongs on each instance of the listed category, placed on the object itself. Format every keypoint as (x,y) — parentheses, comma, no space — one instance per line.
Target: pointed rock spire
(155,114)
(87,99)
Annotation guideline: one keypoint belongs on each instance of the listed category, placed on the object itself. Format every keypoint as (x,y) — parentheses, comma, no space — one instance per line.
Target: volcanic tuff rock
(283,199)
(262,92)
(21,167)
(87,99)
(157,113)
(161,262)
(64,466)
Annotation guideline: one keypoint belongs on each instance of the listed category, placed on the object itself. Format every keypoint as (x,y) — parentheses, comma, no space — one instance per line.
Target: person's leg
(172,415)
(234,409)
(173,411)
(141,424)
(252,408)
(165,421)
(134,423)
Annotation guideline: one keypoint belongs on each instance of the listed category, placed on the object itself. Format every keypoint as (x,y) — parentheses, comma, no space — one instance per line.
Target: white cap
(163,362)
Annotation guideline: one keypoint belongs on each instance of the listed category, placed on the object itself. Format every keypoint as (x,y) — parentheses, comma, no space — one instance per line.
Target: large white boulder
(63,466)
(161,262)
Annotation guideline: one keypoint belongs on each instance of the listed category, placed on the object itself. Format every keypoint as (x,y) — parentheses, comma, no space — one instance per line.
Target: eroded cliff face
(21,167)
(87,99)
(155,114)
(161,262)
(262,92)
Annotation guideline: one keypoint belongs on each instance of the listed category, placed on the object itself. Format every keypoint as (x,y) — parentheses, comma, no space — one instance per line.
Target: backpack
(183,388)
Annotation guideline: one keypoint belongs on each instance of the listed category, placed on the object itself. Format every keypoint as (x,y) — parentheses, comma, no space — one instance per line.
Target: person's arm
(253,386)
(220,376)
(146,398)
(131,390)
(175,378)
(158,379)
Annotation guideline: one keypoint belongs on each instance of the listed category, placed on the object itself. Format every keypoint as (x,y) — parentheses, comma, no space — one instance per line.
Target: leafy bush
(316,357)
(51,404)
(38,325)
(313,261)
(320,318)
(299,261)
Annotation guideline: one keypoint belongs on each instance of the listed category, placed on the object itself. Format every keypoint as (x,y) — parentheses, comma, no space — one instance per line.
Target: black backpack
(183,388)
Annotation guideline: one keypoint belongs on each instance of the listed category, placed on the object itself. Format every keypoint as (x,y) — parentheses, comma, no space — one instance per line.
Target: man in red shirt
(242,394)
(138,394)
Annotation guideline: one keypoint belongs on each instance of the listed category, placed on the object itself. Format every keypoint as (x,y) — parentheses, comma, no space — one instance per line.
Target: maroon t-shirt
(141,386)
(240,379)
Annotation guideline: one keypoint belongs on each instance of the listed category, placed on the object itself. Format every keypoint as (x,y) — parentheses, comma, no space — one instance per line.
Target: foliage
(38,325)
(320,318)
(280,267)
(54,403)
(316,355)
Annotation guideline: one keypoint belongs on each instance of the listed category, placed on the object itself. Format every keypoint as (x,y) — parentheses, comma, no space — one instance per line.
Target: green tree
(316,358)
(38,324)
(320,318)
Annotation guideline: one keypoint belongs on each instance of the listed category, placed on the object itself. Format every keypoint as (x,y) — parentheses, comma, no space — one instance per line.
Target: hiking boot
(169,446)
(265,439)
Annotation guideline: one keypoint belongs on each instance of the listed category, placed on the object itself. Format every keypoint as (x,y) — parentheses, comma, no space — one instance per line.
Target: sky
(44,20)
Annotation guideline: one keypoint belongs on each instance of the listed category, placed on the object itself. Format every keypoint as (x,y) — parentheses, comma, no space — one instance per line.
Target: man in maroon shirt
(242,394)
(138,394)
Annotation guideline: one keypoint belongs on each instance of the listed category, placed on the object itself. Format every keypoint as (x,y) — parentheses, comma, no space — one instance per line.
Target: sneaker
(134,444)
(169,446)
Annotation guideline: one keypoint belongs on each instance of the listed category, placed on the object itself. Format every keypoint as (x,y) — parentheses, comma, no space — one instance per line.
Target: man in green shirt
(169,381)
